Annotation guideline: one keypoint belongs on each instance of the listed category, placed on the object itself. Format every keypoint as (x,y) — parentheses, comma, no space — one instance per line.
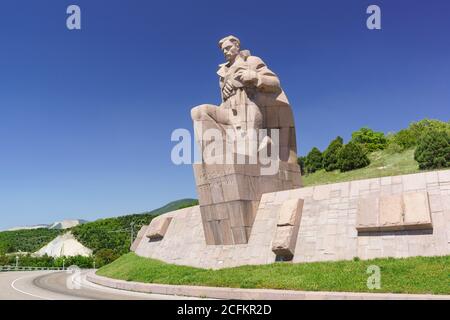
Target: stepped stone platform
(400,216)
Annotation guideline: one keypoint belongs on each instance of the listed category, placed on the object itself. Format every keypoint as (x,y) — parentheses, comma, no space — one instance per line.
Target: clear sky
(86,116)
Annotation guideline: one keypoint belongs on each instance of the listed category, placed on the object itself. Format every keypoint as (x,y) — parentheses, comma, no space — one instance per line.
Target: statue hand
(248,77)
(227,89)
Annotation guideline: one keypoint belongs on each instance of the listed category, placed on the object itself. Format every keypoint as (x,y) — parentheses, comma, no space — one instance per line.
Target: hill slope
(111,233)
(112,236)
(26,240)
(382,164)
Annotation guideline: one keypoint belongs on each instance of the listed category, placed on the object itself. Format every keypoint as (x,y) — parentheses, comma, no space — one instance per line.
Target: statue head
(230,47)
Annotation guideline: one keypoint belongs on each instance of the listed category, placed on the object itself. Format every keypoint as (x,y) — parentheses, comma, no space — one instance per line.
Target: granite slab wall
(328,226)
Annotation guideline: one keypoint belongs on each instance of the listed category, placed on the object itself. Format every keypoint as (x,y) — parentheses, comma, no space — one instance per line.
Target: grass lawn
(382,164)
(409,275)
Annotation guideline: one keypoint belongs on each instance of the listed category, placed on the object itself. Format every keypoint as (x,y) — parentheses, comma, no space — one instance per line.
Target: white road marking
(13,285)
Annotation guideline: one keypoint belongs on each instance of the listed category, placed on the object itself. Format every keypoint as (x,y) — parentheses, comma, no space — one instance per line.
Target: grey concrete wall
(327,228)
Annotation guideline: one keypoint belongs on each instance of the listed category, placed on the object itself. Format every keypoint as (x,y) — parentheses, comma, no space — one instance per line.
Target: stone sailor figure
(252,99)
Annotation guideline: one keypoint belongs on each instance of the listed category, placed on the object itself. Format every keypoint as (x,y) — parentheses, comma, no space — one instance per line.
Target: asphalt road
(62,285)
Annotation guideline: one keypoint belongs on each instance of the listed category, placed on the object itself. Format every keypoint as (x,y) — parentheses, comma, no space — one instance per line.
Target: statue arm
(267,80)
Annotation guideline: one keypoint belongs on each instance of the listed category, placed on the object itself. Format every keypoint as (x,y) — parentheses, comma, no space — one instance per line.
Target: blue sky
(86,116)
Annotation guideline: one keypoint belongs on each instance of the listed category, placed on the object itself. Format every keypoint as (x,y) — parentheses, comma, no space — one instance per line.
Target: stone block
(138,239)
(368,213)
(158,227)
(239,235)
(238,214)
(417,209)
(204,193)
(233,192)
(391,211)
(284,242)
(396,212)
(290,212)
(322,192)
(414,182)
(444,176)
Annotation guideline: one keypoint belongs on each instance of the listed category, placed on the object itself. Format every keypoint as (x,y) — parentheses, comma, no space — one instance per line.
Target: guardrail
(23,268)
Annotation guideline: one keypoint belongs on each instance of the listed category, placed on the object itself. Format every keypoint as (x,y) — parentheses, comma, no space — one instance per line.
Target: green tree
(369,139)
(352,156)
(405,138)
(313,161)
(408,138)
(301,163)
(433,150)
(330,155)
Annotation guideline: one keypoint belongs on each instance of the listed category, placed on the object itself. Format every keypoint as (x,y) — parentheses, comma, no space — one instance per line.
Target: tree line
(429,138)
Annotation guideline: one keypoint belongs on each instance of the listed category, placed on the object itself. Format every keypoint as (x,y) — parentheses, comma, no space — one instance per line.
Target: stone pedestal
(229,196)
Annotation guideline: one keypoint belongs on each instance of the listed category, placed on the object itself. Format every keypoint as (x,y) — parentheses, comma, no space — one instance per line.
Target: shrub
(433,150)
(301,163)
(352,156)
(408,138)
(371,140)
(394,147)
(405,139)
(330,155)
(105,256)
(313,161)
(46,261)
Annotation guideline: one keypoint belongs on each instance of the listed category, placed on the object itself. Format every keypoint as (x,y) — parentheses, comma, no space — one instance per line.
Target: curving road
(61,285)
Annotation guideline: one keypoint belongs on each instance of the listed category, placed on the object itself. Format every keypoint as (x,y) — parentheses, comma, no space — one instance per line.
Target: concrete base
(327,231)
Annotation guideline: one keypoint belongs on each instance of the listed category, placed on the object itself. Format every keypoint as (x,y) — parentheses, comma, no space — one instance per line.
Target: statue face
(230,50)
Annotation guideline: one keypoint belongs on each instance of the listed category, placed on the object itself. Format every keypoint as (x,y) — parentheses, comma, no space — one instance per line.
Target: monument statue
(255,111)
(252,99)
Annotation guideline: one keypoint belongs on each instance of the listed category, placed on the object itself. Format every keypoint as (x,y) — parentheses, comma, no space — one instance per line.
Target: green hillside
(382,164)
(26,240)
(423,145)
(109,238)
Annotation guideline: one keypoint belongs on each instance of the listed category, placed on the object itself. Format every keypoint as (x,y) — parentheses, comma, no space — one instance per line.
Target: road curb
(250,294)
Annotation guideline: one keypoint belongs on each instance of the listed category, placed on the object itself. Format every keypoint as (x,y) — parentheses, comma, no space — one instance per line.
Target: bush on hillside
(105,256)
(409,138)
(30,240)
(301,163)
(405,138)
(313,161)
(115,233)
(46,261)
(352,156)
(433,150)
(369,139)
(330,155)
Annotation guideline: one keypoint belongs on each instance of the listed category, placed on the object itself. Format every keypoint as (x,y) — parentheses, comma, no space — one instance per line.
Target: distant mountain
(39,226)
(66,224)
(59,225)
